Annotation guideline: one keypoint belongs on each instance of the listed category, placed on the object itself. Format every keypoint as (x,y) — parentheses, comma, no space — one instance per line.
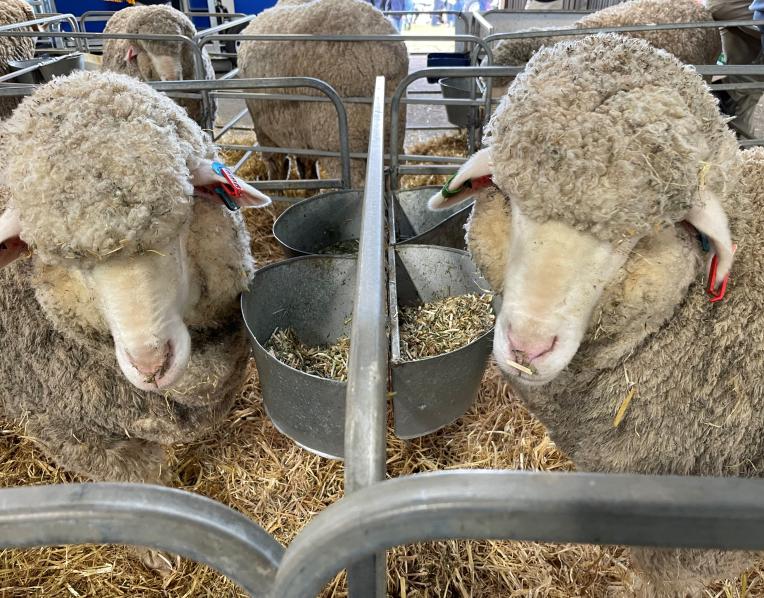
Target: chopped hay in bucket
(341,247)
(328,361)
(445,325)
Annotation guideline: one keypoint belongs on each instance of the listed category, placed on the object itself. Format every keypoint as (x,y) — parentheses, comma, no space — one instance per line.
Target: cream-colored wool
(349,67)
(627,151)
(113,182)
(691,46)
(156,20)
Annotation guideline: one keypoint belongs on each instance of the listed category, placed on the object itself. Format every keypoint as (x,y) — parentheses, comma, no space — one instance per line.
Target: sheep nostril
(528,350)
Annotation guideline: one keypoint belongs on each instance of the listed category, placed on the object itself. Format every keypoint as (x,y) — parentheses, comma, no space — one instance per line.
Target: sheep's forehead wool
(611,136)
(99,163)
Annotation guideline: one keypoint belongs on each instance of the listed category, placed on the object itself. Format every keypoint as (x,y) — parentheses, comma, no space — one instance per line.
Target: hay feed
(445,325)
(450,144)
(341,247)
(328,361)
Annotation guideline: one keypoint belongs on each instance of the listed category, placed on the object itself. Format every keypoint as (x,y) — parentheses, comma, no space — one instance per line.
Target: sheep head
(605,149)
(129,246)
(159,60)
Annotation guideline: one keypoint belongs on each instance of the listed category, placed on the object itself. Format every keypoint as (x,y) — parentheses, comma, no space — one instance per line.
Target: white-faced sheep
(607,159)
(691,46)
(121,333)
(14,48)
(349,67)
(157,60)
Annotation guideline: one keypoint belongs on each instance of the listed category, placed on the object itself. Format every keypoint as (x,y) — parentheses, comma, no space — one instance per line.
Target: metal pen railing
(366,403)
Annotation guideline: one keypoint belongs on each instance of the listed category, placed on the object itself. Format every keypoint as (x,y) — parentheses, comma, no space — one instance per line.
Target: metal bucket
(47,67)
(461,88)
(319,222)
(312,225)
(415,223)
(313,295)
(432,392)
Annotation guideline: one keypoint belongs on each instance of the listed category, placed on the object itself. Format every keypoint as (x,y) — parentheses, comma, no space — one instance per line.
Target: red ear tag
(716,296)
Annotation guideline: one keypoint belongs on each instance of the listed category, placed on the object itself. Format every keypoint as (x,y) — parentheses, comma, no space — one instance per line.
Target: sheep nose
(150,361)
(526,348)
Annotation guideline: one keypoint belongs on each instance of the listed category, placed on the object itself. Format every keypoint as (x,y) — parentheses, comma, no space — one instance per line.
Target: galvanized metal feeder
(321,223)
(313,295)
(416,224)
(431,393)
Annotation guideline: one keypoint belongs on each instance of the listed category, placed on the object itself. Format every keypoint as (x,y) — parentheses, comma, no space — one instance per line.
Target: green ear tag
(446,192)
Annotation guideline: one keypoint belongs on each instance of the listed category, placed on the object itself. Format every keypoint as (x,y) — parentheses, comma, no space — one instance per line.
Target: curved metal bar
(274,83)
(470,71)
(584,508)
(179,522)
(223,26)
(69,18)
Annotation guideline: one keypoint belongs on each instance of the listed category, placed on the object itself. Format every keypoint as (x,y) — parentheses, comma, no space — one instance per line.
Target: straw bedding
(251,467)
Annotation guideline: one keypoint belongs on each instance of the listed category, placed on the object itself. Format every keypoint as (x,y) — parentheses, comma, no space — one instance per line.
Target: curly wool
(117,161)
(349,67)
(14,48)
(691,46)
(625,133)
(155,20)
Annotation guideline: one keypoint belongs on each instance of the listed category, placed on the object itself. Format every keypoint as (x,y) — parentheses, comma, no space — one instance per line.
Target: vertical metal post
(366,406)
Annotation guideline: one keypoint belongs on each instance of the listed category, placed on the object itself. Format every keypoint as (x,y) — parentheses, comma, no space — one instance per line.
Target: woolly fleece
(691,46)
(159,20)
(117,168)
(696,366)
(349,67)
(14,48)
(620,134)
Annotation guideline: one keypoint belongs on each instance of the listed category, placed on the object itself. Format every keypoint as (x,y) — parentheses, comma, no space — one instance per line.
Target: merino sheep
(14,48)
(691,46)
(607,157)
(349,67)
(121,333)
(157,60)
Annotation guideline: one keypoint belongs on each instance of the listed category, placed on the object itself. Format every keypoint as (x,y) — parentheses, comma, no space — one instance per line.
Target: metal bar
(231,124)
(583,508)
(212,30)
(69,18)
(366,402)
(623,29)
(397,98)
(180,522)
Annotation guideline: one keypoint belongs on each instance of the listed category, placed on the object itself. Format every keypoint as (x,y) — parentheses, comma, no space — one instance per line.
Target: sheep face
(565,288)
(146,299)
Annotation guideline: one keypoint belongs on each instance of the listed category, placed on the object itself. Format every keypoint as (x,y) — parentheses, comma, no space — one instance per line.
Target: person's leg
(741,45)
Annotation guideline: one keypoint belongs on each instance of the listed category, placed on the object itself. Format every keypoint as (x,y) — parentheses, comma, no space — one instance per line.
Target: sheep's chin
(545,369)
(180,359)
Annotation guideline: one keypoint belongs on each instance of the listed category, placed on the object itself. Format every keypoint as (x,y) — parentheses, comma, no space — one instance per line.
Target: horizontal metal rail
(366,399)
(623,29)
(582,508)
(182,523)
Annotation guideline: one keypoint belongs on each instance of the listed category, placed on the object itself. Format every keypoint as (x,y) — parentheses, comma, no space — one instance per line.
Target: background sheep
(14,48)
(608,157)
(349,67)
(157,60)
(128,271)
(691,46)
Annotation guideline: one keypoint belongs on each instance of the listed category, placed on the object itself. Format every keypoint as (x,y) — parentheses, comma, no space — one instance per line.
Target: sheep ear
(131,53)
(11,245)
(460,187)
(205,175)
(711,220)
